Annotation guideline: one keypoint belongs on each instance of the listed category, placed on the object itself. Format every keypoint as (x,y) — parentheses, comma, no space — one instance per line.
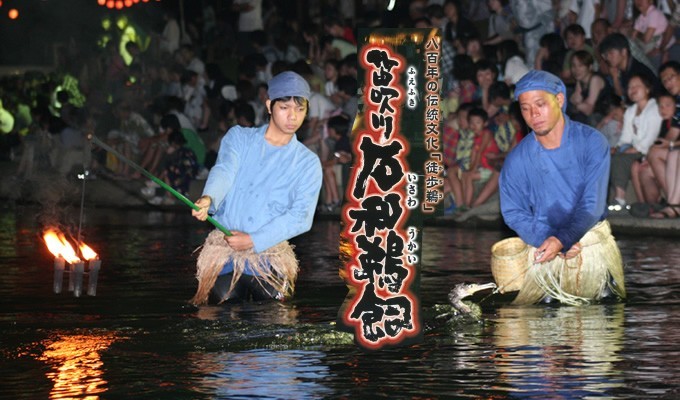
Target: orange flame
(58,245)
(87,252)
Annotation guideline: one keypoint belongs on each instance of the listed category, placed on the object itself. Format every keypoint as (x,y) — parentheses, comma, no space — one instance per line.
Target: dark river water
(138,338)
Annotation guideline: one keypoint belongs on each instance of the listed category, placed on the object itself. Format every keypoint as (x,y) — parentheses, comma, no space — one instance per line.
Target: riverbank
(104,192)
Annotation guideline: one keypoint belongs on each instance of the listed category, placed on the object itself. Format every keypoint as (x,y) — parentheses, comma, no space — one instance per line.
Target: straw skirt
(276,266)
(578,280)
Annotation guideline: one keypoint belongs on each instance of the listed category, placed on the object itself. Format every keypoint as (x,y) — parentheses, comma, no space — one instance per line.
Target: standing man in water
(264,187)
(553,189)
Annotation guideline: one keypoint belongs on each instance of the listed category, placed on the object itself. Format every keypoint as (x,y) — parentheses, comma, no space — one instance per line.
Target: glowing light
(128,3)
(101,2)
(119,4)
(122,22)
(13,13)
(87,252)
(391,5)
(58,245)
(110,4)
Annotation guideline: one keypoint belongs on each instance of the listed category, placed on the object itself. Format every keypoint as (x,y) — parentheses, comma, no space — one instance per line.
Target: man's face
(575,41)
(287,116)
(485,77)
(598,32)
(541,110)
(615,58)
(671,81)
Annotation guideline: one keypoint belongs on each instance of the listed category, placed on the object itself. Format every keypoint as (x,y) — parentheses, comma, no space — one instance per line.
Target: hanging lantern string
(158,181)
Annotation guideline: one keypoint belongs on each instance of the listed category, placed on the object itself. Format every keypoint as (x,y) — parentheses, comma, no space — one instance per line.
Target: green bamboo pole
(162,184)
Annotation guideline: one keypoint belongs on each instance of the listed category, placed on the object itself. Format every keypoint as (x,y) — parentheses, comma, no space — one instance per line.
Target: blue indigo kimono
(559,192)
(269,192)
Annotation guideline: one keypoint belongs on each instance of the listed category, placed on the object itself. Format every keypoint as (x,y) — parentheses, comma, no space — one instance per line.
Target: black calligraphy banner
(396,182)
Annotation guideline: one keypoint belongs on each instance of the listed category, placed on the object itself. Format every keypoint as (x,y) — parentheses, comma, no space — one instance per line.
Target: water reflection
(567,351)
(139,339)
(76,363)
(262,374)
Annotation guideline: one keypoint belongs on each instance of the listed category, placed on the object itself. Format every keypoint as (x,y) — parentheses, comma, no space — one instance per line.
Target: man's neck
(553,139)
(275,137)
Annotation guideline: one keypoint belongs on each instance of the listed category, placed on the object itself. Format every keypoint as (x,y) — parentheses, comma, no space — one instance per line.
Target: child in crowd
(455,135)
(480,168)
(506,130)
(612,123)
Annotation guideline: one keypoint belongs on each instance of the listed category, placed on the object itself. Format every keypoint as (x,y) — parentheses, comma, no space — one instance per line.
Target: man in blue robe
(264,187)
(553,189)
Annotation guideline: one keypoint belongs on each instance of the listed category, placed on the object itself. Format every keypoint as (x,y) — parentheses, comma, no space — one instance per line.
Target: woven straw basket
(509,263)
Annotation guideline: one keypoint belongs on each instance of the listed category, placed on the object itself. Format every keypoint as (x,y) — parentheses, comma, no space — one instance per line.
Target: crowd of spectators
(184,88)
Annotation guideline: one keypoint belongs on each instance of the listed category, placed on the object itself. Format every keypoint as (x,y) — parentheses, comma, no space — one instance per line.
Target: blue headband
(541,80)
(288,84)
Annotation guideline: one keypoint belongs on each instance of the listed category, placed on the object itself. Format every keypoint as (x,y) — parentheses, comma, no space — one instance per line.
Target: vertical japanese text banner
(396,182)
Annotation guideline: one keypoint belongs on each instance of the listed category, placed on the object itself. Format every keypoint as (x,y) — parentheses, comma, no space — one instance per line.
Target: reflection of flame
(87,252)
(78,365)
(59,246)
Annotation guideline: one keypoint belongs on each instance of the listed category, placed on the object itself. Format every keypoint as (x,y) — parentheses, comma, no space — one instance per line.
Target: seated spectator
(454,135)
(590,89)
(132,127)
(458,26)
(507,132)
(486,73)
(575,37)
(550,54)
(319,110)
(501,22)
(644,172)
(535,18)
(341,155)
(622,65)
(612,124)
(346,96)
(179,169)
(196,105)
(641,123)
(472,46)
(670,76)
(244,114)
(331,74)
(672,210)
(511,60)
(648,30)
(600,29)
(336,28)
(583,12)
(480,167)
(464,88)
